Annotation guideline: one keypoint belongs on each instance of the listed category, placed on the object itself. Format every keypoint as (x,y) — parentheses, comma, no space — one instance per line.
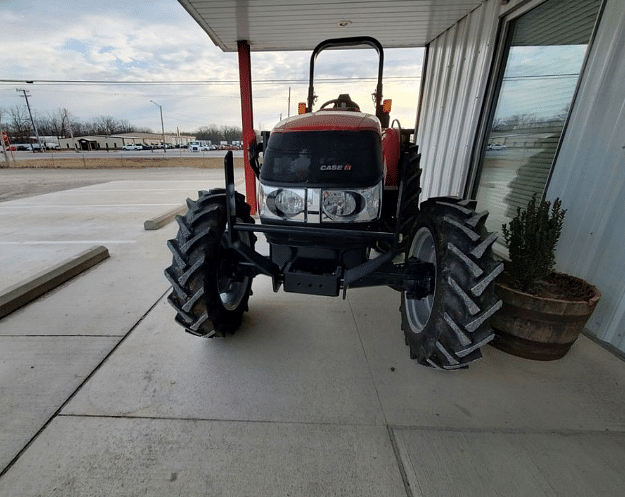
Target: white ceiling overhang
(276,25)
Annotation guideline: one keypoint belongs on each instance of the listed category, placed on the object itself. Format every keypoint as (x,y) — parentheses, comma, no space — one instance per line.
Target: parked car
(495,146)
(130,147)
(23,147)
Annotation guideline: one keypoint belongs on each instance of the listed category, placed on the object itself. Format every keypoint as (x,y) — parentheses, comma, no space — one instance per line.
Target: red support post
(247,117)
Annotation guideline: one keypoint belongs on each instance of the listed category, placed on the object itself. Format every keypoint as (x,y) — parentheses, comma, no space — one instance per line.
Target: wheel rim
(418,311)
(231,287)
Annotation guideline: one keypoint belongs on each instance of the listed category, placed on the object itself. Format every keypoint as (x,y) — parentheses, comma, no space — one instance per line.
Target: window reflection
(543,60)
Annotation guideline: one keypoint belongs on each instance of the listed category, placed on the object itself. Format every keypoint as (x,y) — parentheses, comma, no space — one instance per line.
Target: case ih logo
(335,167)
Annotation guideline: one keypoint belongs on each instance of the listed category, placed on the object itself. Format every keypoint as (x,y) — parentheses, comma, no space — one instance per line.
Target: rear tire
(410,197)
(446,329)
(209,293)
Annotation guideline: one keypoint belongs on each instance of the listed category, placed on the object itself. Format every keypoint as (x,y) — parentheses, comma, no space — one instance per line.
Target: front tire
(210,293)
(446,329)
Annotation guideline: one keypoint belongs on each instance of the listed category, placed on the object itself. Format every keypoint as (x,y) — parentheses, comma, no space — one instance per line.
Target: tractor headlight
(341,206)
(315,205)
(281,203)
(289,202)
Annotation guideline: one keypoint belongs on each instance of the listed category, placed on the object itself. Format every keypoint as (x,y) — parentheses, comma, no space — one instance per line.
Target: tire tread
(458,326)
(192,274)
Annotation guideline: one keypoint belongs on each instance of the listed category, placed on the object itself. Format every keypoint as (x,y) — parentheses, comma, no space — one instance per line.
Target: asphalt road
(103,154)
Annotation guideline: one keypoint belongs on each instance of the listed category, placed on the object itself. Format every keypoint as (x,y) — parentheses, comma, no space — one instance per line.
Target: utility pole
(26,95)
(69,126)
(162,126)
(289,105)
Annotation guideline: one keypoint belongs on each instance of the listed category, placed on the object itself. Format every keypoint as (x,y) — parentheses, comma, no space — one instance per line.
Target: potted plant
(543,311)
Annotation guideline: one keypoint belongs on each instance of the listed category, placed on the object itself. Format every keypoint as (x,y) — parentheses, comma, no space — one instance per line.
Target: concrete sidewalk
(102,394)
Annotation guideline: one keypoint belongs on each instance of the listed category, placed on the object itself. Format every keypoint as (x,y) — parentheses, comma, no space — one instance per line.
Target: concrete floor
(101,393)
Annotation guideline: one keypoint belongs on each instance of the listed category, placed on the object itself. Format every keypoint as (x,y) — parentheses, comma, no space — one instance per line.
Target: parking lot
(101,393)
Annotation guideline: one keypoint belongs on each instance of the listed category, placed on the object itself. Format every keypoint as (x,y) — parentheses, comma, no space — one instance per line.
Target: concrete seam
(511,431)
(400,452)
(389,430)
(364,352)
(31,335)
(221,420)
(566,432)
(73,394)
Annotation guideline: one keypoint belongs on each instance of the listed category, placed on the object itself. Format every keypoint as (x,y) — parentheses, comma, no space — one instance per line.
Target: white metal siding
(456,73)
(589,177)
(301,24)
(589,174)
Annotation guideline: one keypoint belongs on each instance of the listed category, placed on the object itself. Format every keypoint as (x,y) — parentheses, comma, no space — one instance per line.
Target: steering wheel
(350,104)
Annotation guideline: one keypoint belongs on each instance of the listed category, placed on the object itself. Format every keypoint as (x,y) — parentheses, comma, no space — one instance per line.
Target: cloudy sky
(153,50)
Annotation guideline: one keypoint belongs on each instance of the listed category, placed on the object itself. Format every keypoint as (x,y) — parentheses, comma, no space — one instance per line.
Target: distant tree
(563,114)
(209,133)
(44,125)
(529,121)
(19,122)
(215,135)
(63,124)
(231,133)
(56,124)
(104,125)
(68,123)
(124,126)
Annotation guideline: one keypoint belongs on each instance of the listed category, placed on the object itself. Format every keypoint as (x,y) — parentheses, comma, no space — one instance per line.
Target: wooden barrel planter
(540,328)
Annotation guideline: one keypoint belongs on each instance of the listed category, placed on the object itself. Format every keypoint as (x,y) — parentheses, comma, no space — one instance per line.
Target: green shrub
(531,238)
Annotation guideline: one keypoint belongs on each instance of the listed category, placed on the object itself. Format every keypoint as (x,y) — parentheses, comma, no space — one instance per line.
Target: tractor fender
(390,155)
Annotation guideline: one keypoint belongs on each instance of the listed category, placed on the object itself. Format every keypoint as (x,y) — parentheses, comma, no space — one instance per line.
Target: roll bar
(347,42)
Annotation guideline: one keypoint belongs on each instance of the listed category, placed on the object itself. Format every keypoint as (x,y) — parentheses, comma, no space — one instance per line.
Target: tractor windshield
(323,158)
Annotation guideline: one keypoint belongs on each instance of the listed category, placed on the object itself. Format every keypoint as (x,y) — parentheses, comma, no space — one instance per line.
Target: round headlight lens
(289,203)
(339,204)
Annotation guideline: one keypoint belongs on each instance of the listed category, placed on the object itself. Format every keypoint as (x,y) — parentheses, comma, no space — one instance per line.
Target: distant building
(116,142)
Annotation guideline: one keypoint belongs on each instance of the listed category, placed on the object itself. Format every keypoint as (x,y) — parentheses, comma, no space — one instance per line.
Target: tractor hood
(330,120)
(335,149)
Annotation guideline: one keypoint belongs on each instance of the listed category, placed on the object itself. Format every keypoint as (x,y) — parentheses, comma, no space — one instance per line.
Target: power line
(195,82)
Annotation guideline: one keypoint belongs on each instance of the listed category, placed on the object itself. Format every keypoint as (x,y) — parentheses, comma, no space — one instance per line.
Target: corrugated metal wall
(589,177)
(458,63)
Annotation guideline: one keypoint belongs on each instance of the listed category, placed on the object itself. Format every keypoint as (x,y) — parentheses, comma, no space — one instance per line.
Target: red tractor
(339,205)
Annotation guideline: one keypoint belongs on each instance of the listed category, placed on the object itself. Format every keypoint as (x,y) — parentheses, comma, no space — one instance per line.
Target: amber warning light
(386,106)
(301,108)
